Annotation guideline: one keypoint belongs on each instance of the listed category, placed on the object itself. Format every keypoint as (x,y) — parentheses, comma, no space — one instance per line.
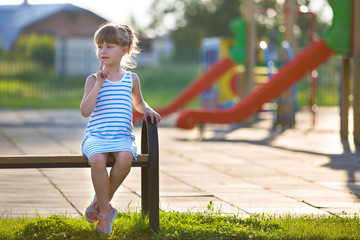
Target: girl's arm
(92,88)
(139,104)
(90,94)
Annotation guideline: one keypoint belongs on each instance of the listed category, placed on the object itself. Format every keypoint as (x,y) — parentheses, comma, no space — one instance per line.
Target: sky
(112,10)
(120,11)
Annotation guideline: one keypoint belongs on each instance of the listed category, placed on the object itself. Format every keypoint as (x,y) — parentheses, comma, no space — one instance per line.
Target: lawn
(175,225)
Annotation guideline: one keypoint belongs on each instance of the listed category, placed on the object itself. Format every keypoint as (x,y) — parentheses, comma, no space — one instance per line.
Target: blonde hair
(122,35)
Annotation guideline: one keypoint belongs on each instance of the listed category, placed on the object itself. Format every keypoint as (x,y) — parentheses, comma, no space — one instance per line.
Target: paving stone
(241,169)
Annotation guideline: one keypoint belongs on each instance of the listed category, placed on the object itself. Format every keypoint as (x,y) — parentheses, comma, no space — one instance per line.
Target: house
(72,26)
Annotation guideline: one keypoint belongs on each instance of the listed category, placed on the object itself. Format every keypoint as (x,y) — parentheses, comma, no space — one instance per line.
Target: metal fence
(23,81)
(326,87)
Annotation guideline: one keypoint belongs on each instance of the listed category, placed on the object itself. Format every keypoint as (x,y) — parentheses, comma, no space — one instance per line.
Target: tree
(194,19)
(189,21)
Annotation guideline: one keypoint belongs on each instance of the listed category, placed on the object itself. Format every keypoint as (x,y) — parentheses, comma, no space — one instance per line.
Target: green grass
(36,103)
(174,225)
(160,85)
(29,85)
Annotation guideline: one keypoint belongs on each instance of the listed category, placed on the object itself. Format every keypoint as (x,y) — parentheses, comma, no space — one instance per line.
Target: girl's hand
(102,73)
(149,112)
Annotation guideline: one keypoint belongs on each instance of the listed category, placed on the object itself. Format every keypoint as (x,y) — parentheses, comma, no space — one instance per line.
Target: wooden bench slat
(5,159)
(74,160)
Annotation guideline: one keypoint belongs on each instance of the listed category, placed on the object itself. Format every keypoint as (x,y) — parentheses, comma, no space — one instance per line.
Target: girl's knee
(98,160)
(124,159)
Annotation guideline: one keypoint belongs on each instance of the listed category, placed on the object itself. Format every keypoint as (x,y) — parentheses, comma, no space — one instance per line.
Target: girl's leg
(120,170)
(100,180)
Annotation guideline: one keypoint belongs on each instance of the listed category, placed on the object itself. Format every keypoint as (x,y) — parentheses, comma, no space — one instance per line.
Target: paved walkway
(241,169)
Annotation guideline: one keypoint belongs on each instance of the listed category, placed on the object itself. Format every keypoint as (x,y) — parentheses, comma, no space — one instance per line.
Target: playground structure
(346,23)
(224,93)
(310,58)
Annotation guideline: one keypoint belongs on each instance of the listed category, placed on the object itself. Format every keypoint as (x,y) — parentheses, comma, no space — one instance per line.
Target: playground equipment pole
(248,82)
(313,75)
(285,102)
(356,69)
(345,91)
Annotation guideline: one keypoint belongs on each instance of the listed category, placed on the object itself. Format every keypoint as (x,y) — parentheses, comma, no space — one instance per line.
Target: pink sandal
(110,218)
(91,214)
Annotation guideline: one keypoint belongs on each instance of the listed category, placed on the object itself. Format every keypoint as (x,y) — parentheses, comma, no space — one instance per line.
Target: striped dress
(110,125)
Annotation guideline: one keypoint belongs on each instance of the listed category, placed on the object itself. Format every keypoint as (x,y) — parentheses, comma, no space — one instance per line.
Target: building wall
(74,31)
(67,23)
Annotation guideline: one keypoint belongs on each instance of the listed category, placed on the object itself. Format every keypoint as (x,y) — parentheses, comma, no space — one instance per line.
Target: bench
(148,160)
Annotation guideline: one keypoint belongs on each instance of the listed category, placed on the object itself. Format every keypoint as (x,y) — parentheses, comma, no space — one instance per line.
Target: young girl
(108,99)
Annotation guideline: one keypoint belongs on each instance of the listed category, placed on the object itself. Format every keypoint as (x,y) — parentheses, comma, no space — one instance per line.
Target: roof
(15,18)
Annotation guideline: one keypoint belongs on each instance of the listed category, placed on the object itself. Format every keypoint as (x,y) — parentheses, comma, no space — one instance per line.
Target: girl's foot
(91,213)
(106,221)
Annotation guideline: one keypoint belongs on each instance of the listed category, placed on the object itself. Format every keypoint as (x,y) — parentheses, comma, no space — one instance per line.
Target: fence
(26,83)
(23,81)
(326,87)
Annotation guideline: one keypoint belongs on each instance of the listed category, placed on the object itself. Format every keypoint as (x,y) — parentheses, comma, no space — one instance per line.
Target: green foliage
(40,48)
(195,20)
(270,27)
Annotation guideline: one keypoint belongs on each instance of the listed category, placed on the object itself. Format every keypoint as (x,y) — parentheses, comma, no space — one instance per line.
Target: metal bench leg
(150,174)
(145,190)
(154,196)
(150,195)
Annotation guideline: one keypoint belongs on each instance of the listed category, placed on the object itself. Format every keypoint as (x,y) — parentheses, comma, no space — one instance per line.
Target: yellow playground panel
(212,50)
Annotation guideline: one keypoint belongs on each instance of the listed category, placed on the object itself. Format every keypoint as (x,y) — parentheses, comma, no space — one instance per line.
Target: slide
(197,87)
(310,58)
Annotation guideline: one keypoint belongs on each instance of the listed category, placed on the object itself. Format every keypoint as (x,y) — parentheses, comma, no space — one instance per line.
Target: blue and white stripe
(110,125)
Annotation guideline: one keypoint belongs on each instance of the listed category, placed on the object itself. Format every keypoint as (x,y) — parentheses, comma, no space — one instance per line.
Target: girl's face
(110,53)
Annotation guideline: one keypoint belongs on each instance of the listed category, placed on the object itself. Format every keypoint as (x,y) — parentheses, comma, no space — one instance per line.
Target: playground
(236,156)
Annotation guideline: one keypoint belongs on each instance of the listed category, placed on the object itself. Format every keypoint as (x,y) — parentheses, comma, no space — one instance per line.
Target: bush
(39,48)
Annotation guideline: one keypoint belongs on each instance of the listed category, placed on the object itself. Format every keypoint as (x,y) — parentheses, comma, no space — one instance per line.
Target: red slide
(292,72)
(197,87)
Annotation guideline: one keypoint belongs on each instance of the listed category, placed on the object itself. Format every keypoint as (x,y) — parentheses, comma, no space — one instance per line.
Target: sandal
(91,214)
(110,218)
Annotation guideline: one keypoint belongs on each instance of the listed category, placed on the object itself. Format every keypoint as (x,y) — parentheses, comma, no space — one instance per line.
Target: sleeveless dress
(110,125)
